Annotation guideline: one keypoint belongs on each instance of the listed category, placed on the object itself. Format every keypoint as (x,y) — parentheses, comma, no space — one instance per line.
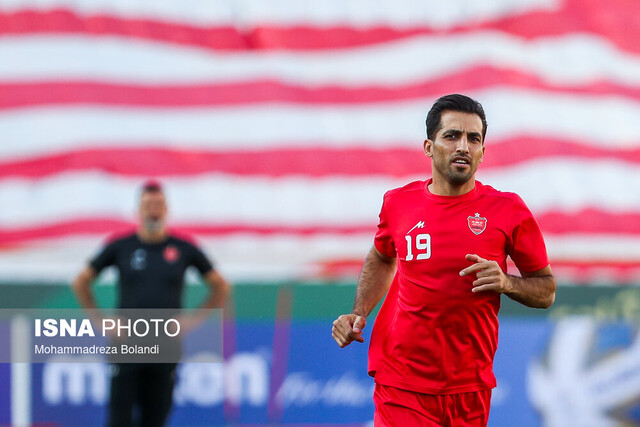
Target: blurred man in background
(151,264)
(440,252)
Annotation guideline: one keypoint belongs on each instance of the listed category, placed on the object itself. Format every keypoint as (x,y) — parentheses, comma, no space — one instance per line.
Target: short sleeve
(527,250)
(105,258)
(384,239)
(200,261)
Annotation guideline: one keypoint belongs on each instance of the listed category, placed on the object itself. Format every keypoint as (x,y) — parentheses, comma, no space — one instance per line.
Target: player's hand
(489,275)
(348,328)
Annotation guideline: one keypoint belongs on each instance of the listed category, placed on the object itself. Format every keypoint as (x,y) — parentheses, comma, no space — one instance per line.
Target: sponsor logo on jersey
(139,259)
(171,253)
(477,224)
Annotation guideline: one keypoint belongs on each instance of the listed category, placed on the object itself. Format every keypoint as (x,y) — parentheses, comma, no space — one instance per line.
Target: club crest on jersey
(171,253)
(477,224)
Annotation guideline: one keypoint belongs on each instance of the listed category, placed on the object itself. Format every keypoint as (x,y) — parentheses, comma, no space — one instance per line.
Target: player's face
(153,211)
(458,147)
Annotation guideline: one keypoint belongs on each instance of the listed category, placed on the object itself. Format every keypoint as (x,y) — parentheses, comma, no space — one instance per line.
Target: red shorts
(397,407)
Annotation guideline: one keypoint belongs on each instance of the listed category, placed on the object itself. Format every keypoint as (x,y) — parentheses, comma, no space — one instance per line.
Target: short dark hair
(453,102)
(151,186)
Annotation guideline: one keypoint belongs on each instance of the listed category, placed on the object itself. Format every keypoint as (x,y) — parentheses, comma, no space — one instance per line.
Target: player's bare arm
(218,290)
(81,287)
(373,283)
(534,289)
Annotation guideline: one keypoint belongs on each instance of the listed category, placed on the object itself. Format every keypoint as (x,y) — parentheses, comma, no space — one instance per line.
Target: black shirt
(151,274)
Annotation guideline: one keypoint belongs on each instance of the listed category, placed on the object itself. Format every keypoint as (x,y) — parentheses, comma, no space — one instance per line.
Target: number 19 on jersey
(422,247)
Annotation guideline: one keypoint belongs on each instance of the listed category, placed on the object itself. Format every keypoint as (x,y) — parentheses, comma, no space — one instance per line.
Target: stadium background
(276,127)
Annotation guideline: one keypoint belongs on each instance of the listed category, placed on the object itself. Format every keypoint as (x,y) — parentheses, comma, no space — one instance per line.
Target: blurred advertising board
(577,364)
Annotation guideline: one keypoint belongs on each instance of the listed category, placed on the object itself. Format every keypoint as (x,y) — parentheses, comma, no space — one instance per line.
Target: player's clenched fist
(347,328)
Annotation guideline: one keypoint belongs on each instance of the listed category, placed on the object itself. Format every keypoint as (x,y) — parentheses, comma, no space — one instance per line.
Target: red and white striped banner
(277,127)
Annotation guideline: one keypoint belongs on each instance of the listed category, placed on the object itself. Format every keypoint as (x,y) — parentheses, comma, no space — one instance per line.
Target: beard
(458,178)
(153,225)
(447,168)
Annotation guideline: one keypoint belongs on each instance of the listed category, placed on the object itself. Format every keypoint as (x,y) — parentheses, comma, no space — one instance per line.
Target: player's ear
(482,157)
(428,147)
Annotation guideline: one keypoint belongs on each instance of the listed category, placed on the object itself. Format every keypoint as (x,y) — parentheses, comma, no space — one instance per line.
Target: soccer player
(151,264)
(440,256)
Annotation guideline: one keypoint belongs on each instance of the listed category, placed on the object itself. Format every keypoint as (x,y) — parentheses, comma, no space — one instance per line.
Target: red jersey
(432,334)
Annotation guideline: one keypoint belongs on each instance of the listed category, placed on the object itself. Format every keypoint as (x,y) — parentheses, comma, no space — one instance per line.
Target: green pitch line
(326,300)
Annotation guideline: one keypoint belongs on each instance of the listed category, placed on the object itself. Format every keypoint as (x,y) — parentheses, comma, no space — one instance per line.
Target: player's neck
(152,236)
(441,187)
